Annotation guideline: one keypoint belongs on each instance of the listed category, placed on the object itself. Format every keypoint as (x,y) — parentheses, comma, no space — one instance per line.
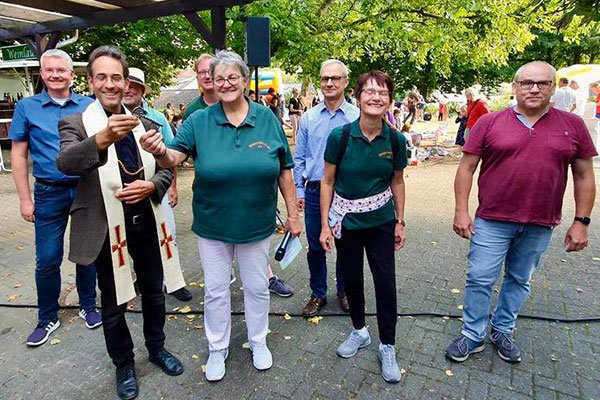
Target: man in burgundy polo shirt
(525,152)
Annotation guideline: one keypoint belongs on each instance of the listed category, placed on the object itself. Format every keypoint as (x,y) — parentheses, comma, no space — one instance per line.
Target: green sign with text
(18,52)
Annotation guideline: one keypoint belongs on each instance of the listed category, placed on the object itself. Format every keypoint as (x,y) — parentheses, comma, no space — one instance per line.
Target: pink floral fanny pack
(340,207)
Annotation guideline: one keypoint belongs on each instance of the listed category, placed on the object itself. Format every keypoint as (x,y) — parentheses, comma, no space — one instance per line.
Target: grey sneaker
(357,339)
(215,366)
(389,366)
(507,349)
(261,357)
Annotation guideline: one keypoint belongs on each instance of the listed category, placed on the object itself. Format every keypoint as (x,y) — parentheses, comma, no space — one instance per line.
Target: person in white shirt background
(564,97)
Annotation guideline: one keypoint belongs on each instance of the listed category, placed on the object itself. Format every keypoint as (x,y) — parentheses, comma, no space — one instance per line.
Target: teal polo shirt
(236,172)
(366,170)
(198,104)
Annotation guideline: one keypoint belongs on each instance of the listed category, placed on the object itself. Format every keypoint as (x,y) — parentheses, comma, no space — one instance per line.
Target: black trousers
(378,242)
(142,244)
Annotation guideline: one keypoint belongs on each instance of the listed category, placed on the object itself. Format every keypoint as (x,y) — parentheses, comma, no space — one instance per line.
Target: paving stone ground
(560,361)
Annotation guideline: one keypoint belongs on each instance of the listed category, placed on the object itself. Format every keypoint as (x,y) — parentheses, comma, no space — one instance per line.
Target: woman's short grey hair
(58,54)
(338,62)
(227,57)
(522,68)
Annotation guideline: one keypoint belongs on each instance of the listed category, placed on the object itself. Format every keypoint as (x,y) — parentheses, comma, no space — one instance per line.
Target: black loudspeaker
(258,42)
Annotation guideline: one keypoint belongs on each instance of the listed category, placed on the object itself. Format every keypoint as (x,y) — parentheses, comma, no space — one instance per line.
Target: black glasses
(334,79)
(232,80)
(528,84)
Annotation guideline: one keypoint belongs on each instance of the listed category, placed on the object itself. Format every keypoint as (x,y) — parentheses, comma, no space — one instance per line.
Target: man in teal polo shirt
(34,131)
(133,98)
(208,96)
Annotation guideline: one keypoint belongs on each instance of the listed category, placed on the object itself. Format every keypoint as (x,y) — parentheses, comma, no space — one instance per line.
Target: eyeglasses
(334,79)
(231,79)
(528,84)
(372,92)
(203,72)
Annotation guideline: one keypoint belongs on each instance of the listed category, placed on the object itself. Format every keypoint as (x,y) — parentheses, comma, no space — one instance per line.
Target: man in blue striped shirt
(314,128)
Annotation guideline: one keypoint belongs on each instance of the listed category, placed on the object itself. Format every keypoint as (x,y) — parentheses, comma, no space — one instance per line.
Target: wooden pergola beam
(130,14)
(59,6)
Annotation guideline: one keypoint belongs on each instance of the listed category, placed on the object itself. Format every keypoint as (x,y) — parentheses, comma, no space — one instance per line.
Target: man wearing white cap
(134,98)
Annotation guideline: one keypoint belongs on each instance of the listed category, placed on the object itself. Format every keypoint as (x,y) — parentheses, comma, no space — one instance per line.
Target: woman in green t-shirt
(362,206)
(241,156)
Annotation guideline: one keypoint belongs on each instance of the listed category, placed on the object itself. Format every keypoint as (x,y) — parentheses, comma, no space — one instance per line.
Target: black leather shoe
(127,386)
(182,294)
(167,362)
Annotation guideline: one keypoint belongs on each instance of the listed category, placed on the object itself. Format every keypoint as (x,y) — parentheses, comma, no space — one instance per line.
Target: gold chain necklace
(136,173)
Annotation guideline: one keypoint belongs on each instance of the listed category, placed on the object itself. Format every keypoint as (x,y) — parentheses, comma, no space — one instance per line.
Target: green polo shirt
(236,170)
(198,104)
(365,170)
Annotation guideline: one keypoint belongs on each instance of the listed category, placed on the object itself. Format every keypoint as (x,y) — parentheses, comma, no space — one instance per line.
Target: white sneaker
(357,339)
(261,357)
(389,366)
(215,366)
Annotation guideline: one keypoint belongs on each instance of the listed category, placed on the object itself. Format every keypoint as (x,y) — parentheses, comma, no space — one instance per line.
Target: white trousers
(252,259)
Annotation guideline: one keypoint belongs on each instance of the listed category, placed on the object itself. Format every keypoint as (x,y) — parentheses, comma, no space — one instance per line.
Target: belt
(313,184)
(69,184)
(137,219)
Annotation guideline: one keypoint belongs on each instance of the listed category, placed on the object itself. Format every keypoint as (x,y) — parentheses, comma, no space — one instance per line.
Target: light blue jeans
(519,247)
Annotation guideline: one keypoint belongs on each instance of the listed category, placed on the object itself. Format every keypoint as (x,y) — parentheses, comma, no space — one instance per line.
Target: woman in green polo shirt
(362,206)
(241,156)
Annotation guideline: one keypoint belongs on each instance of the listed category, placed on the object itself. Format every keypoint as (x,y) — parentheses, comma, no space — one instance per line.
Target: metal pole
(256,84)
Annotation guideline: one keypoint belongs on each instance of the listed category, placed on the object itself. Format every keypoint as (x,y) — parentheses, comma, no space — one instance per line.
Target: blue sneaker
(41,333)
(279,287)
(92,318)
(460,349)
(507,349)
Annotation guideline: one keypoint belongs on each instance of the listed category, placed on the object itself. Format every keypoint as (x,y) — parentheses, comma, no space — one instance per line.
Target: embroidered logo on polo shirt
(386,154)
(259,145)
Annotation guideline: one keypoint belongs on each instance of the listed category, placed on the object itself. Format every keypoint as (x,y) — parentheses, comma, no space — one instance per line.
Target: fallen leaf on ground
(402,371)
(185,309)
(269,331)
(201,285)
(246,345)
(55,341)
(176,309)
(455,291)
(287,337)
(203,368)
(287,317)
(20,247)
(460,306)
(191,316)
(172,317)
(195,357)
(446,318)
(13,297)
(563,260)
(192,284)
(553,357)
(315,320)
(18,285)
(449,373)
(579,290)
(433,243)
(198,327)
(596,258)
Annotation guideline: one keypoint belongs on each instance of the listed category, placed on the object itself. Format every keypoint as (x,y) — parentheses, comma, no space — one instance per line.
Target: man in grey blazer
(82,156)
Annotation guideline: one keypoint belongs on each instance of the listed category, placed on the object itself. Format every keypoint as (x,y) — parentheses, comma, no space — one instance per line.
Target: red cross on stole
(119,246)
(166,240)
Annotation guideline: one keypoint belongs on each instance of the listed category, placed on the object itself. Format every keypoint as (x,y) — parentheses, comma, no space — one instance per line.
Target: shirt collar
(344,107)
(221,118)
(356,132)
(46,99)
(524,120)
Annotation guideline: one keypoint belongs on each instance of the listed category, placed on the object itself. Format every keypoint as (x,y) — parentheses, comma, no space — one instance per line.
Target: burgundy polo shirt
(524,169)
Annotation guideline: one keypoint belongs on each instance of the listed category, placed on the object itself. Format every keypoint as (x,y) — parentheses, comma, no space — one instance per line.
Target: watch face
(583,220)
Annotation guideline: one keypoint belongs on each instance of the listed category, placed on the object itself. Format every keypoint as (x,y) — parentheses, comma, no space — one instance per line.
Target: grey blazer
(79,155)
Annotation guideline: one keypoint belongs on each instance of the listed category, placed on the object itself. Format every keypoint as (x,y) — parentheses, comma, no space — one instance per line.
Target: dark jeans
(317,262)
(142,244)
(379,245)
(412,111)
(52,206)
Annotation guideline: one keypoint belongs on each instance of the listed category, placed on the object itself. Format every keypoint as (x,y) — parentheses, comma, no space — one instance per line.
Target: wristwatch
(401,222)
(584,220)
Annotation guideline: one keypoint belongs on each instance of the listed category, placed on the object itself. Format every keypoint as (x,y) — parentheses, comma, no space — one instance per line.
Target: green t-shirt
(198,104)
(365,170)
(236,171)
